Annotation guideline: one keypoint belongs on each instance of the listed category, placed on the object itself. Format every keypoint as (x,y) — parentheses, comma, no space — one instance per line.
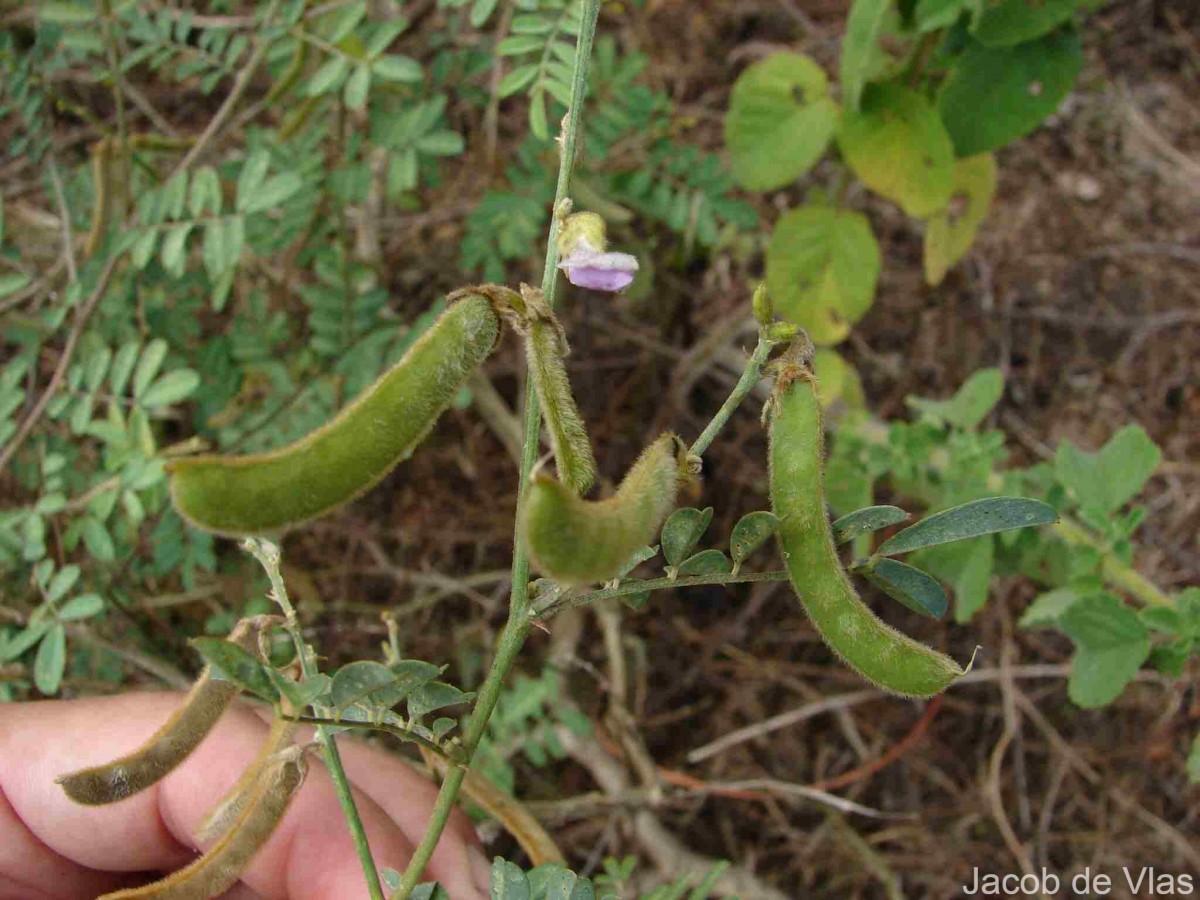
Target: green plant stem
(518,624)
(569,600)
(1115,572)
(382,727)
(268,555)
(751,376)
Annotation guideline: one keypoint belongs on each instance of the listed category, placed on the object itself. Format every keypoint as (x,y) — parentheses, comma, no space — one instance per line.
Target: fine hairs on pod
(220,868)
(173,742)
(577,541)
(882,655)
(268,492)
(546,349)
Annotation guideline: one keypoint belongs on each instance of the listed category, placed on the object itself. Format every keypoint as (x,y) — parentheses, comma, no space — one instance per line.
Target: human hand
(53,849)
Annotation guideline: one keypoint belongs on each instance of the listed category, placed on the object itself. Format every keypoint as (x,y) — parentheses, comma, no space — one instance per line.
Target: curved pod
(875,650)
(172,743)
(545,349)
(219,869)
(576,541)
(266,493)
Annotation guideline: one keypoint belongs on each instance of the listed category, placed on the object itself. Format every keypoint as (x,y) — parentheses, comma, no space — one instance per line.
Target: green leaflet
(781,118)
(266,493)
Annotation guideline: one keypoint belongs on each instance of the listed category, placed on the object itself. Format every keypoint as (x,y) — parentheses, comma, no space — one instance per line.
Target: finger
(459,863)
(27,866)
(310,855)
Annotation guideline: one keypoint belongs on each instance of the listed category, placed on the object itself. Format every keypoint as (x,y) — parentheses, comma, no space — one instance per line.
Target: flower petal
(599,278)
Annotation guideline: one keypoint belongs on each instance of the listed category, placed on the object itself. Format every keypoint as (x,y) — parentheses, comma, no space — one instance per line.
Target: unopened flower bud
(764,309)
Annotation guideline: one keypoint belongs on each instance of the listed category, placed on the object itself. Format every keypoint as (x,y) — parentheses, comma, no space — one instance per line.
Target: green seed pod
(219,869)
(577,541)
(545,349)
(875,650)
(265,493)
(172,743)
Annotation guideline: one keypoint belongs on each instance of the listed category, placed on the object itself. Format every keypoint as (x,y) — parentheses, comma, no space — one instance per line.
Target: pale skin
(53,849)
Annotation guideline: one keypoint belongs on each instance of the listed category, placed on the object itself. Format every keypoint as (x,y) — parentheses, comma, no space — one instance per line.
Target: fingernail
(481,871)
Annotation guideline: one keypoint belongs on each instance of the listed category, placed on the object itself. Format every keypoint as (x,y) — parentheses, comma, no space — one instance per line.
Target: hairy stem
(571,600)
(517,626)
(1115,572)
(268,555)
(750,377)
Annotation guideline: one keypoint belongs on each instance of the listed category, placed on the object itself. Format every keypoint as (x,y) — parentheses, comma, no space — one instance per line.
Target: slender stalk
(268,555)
(1115,572)
(518,624)
(569,600)
(751,376)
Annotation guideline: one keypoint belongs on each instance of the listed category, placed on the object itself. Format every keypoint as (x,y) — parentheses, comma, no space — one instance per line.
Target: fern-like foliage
(542,48)
(523,723)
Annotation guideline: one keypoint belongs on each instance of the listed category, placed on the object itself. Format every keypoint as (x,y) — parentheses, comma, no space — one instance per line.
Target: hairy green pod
(171,744)
(545,350)
(875,650)
(268,492)
(576,541)
(220,868)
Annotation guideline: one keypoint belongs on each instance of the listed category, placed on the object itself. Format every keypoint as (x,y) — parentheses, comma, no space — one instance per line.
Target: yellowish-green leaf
(897,145)
(822,268)
(951,231)
(839,380)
